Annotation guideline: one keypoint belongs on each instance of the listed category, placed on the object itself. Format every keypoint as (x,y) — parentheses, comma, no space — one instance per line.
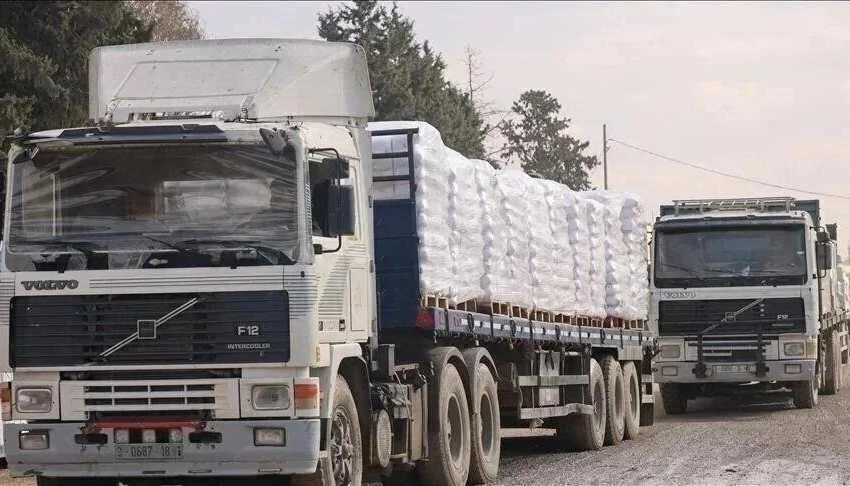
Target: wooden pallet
(470,305)
(435,301)
(519,311)
(500,308)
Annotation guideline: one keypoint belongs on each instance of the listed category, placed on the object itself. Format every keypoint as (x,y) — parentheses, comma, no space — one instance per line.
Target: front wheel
(832,365)
(673,398)
(806,393)
(345,450)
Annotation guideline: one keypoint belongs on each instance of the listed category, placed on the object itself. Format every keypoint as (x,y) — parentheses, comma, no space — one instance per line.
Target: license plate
(142,452)
(732,368)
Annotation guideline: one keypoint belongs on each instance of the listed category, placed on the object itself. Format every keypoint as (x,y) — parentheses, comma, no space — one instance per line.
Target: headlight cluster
(270,397)
(33,400)
(796,348)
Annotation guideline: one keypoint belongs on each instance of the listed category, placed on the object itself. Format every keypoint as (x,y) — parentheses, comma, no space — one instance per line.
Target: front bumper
(236,455)
(683,372)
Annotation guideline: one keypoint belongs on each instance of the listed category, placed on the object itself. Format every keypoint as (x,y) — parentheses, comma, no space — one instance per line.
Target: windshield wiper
(280,257)
(84,247)
(175,246)
(691,271)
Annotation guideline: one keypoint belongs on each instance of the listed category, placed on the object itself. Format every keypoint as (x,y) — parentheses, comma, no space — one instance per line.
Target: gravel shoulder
(760,440)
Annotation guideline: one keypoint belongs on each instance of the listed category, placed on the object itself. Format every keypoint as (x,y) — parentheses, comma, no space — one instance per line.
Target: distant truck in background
(743,291)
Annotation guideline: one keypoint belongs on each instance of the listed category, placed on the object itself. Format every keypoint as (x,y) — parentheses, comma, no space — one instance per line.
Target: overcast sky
(760,90)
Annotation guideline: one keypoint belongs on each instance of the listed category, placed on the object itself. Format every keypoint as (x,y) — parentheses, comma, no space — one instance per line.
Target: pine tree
(537,139)
(408,77)
(45,47)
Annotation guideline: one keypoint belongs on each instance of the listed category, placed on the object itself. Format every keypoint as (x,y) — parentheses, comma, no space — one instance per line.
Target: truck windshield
(152,207)
(730,256)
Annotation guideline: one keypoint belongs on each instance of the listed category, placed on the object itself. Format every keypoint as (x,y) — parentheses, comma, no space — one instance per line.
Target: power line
(726,174)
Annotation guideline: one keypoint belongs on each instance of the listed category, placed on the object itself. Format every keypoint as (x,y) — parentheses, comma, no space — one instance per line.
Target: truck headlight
(670,351)
(33,400)
(270,397)
(797,348)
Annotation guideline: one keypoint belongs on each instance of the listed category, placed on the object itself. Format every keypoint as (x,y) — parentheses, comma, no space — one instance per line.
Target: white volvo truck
(188,291)
(744,291)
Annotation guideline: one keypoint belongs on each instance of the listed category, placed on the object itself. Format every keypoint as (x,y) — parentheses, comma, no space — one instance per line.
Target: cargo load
(501,236)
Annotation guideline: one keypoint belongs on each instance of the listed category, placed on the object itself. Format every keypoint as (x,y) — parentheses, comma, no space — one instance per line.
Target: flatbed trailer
(587,379)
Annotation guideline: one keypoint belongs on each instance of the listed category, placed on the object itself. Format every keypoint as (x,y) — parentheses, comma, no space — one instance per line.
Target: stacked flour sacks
(559,277)
(502,236)
(512,190)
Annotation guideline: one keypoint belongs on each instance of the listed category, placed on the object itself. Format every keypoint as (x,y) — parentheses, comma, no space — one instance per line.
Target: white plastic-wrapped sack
(465,215)
(512,189)
(561,274)
(596,230)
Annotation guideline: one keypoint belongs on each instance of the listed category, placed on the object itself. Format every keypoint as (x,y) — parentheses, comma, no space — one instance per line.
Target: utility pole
(605,156)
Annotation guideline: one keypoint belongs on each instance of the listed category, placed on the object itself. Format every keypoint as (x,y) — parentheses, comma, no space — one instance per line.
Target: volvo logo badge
(50,284)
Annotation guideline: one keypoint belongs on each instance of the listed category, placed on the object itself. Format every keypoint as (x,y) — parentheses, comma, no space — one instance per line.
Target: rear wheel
(673,398)
(633,401)
(450,444)
(486,430)
(583,432)
(615,399)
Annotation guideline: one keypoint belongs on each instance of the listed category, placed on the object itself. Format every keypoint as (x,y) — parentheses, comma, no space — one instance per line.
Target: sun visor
(254,78)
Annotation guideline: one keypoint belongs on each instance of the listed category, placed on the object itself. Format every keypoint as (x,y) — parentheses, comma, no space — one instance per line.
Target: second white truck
(745,291)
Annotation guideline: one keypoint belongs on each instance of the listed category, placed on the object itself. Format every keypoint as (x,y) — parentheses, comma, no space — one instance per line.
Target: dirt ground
(758,440)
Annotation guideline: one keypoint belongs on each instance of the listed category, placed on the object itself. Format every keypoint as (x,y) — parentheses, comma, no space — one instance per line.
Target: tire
(448,446)
(832,365)
(634,400)
(486,430)
(345,445)
(805,393)
(582,432)
(673,399)
(615,400)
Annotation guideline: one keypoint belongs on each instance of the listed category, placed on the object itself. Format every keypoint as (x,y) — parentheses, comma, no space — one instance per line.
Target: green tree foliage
(44,47)
(536,137)
(408,77)
(170,20)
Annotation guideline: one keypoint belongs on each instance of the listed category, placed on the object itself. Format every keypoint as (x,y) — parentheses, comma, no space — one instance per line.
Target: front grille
(728,349)
(222,327)
(216,398)
(772,316)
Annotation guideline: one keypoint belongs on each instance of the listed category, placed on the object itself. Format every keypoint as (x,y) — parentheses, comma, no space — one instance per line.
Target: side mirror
(823,237)
(825,256)
(340,211)
(335,168)
(274,141)
(832,231)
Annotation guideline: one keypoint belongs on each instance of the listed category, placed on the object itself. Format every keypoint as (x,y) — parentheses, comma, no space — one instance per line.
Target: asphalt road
(757,440)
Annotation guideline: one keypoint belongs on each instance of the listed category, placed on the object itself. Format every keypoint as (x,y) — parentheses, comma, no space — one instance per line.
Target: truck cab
(741,294)
(183,280)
